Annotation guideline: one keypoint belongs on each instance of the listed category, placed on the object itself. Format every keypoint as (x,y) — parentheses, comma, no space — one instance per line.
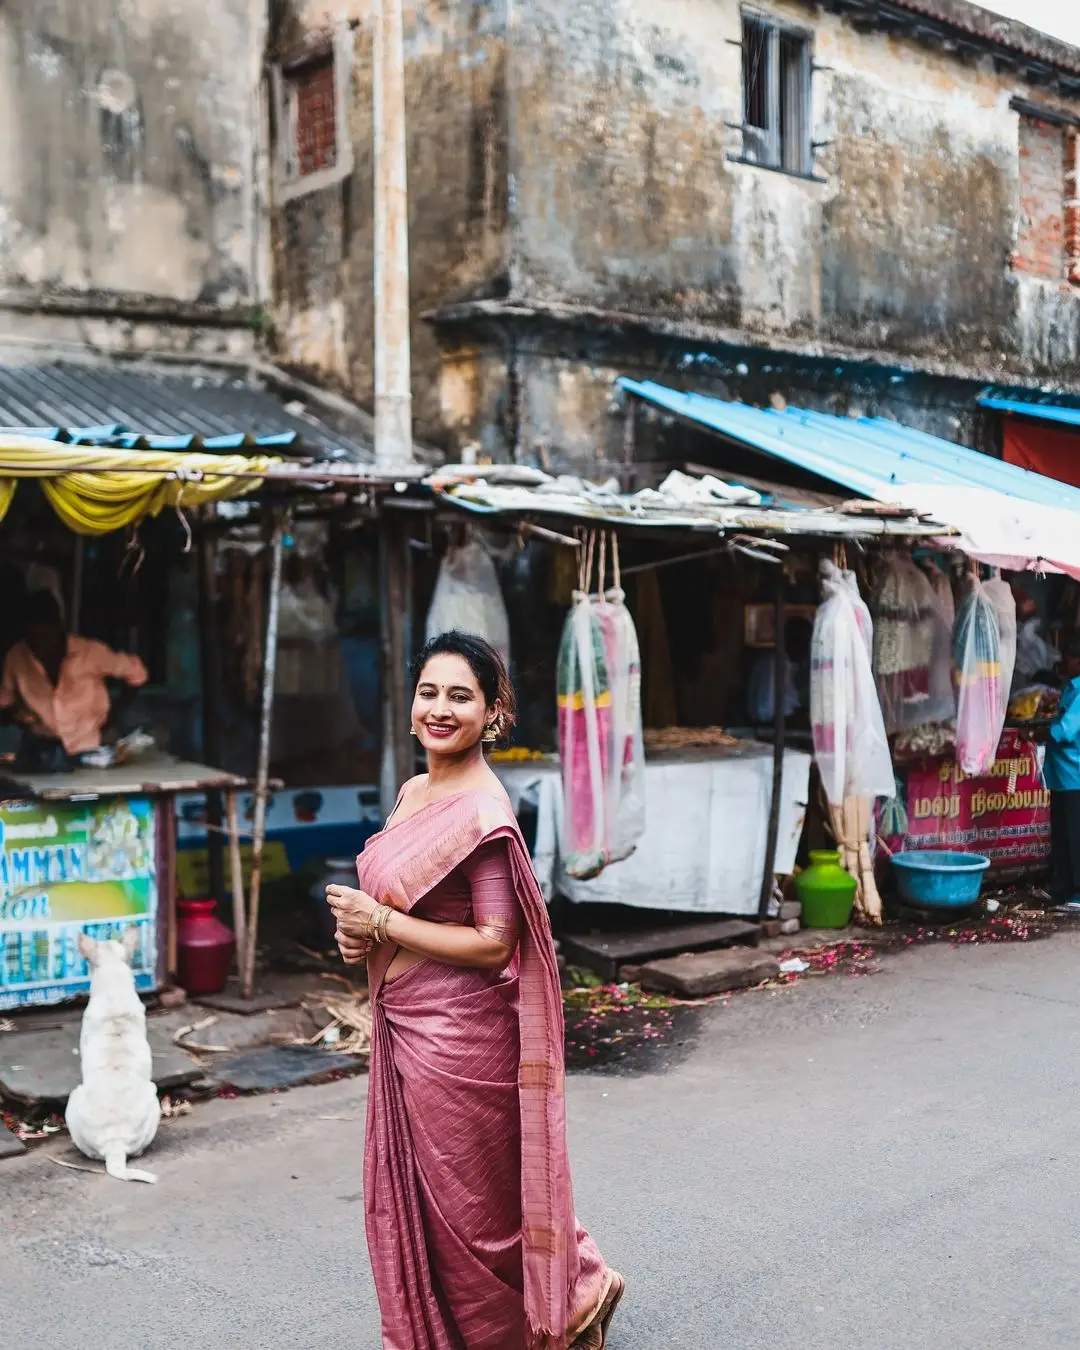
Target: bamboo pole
(236,868)
(395,754)
(210,670)
(779,729)
(262,775)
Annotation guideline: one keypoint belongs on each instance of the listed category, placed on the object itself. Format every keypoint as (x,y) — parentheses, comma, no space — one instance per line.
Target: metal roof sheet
(1046,412)
(140,407)
(870,456)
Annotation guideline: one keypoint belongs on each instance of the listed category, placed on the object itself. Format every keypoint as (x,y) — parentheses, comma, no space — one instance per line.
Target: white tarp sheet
(1000,530)
(704,844)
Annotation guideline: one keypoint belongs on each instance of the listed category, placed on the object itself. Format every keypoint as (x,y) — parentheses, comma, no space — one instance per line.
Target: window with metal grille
(776,75)
(311,99)
(310,118)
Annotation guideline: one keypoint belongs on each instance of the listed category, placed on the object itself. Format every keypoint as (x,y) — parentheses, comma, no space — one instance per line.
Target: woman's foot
(594,1336)
(614,1298)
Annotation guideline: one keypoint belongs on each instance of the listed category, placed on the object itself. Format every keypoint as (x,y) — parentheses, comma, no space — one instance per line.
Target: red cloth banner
(1043,449)
(1004,815)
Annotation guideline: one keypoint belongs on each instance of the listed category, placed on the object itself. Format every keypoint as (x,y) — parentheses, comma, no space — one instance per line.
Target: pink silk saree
(468,1205)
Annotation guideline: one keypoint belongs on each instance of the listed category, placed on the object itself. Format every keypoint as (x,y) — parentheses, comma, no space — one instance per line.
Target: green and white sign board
(68,868)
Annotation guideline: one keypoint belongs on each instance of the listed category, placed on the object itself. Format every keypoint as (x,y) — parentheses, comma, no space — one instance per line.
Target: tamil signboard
(1004,815)
(68,868)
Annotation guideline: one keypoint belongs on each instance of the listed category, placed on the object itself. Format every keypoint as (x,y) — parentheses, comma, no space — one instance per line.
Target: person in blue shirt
(1062,772)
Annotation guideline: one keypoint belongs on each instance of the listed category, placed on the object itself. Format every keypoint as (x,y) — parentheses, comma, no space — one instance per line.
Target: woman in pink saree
(468,1206)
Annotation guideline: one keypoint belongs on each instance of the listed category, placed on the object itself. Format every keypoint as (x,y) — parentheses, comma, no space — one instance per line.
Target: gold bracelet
(372,924)
(380,916)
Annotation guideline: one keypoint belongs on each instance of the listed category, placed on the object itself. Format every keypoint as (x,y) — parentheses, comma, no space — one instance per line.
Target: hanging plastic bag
(1000,595)
(625,784)
(600,737)
(981,695)
(584,703)
(468,598)
(911,647)
(850,743)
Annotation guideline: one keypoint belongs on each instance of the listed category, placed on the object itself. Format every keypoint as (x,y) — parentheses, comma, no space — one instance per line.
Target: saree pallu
(468,1205)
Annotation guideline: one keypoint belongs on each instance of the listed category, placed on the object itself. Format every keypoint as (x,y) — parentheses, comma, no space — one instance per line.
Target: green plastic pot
(826,892)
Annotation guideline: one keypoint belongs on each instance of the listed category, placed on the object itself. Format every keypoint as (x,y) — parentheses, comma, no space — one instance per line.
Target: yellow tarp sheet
(96,491)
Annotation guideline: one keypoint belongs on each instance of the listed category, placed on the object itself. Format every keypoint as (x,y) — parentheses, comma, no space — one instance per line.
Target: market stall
(91,846)
(91,851)
(723,810)
(919,638)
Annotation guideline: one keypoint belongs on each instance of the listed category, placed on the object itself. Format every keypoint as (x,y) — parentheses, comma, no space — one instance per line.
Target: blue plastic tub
(939,880)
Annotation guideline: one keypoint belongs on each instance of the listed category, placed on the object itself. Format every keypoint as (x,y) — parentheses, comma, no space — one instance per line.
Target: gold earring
(490,736)
(412,731)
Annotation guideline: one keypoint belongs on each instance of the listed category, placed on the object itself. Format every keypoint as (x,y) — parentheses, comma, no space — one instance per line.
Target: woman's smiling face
(449,713)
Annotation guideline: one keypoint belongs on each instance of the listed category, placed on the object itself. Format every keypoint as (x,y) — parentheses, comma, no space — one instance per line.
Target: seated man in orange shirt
(54,686)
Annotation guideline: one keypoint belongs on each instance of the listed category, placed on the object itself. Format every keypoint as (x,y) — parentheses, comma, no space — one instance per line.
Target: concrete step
(699,974)
(605,953)
(42,1067)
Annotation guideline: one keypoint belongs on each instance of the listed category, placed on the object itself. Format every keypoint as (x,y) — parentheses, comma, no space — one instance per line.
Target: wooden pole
(78,572)
(630,446)
(393,360)
(236,868)
(779,728)
(395,755)
(210,675)
(262,773)
(167,884)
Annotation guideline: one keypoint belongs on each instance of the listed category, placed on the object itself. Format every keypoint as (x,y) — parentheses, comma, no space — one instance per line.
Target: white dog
(114,1113)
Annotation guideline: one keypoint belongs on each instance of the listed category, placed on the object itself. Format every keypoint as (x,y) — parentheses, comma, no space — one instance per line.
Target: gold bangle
(373,924)
(380,916)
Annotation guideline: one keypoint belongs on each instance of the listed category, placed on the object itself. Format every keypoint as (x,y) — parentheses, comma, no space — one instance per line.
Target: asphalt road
(883,1162)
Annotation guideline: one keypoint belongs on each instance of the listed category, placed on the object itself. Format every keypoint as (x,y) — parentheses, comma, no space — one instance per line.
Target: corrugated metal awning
(868,455)
(1002,514)
(1044,412)
(139,407)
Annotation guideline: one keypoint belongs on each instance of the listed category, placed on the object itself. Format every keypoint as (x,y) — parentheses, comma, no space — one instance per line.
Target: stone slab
(280,1066)
(42,1067)
(10,1145)
(605,953)
(231,1031)
(698,974)
(232,1002)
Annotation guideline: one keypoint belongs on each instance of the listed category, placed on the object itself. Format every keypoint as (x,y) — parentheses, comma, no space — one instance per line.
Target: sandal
(614,1298)
(594,1336)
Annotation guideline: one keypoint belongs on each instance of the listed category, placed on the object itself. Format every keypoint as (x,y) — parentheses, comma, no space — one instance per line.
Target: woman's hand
(353,911)
(354,951)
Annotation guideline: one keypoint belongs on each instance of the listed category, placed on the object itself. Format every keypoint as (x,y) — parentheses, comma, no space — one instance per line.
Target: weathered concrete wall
(458,198)
(129,159)
(567,413)
(628,197)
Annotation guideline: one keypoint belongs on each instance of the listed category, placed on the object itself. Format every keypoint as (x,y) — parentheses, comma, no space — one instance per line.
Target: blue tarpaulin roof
(1046,412)
(869,456)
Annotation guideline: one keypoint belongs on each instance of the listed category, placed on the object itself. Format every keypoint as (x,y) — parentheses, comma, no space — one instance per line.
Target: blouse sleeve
(496,912)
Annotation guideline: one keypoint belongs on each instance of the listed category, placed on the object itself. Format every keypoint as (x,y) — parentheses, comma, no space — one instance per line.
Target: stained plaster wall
(458,191)
(581,157)
(628,199)
(131,173)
